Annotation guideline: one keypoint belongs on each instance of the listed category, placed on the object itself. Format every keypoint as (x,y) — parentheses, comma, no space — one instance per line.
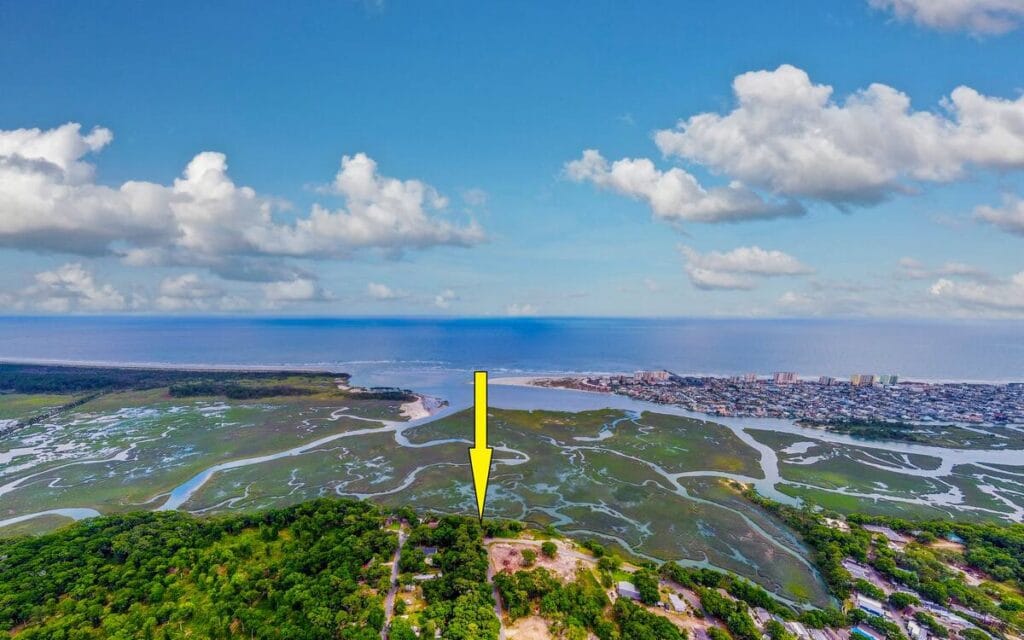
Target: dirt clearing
(508,556)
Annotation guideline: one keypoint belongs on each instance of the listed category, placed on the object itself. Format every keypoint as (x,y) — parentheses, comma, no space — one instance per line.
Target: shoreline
(422,407)
(168,366)
(527,381)
(524,380)
(518,381)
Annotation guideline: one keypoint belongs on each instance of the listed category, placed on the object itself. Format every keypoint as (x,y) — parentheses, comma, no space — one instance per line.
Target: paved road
(389,601)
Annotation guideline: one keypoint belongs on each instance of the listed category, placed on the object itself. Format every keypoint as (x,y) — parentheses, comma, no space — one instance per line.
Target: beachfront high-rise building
(828,381)
(888,379)
(652,376)
(862,379)
(749,377)
(784,377)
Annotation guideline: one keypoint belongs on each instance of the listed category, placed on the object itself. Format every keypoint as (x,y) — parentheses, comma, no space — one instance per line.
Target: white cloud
(1002,296)
(70,287)
(518,310)
(740,268)
(798,300)
(298,290)
(190,292)
(379,291)
(913,269)
(748,260)
(49,201)
(379,212)
(708,280)
(968,292)
(821,301)
(675,195)
(789,136)
(445,298)
(1009,217)
(73,288)
(974,16)
(187,285)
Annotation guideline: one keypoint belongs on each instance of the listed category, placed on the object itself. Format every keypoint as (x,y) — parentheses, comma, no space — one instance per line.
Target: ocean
(406,351)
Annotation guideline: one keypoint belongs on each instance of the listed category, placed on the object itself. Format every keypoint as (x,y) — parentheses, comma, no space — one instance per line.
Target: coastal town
(826,400)
(862,398)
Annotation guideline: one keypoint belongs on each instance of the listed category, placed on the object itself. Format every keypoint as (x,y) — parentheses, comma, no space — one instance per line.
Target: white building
(895,539)
(870,606)
(652,376)
(627,590)
(677,603)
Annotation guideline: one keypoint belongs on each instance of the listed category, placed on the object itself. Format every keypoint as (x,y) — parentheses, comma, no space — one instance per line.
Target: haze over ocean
(977,350)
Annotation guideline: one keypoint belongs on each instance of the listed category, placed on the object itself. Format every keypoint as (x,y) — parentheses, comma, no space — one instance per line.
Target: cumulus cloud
(298,290)
(1009,217)
(1001,296)
(518,310)
(74,288)
(979,17)
(790,137)
(676,195)
(70,287)
(50,201)
(379,291)
(190,292)
(379,212)
(444,299)
(740,268)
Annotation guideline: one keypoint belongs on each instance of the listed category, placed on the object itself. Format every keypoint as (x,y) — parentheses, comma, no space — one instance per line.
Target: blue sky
(469,117)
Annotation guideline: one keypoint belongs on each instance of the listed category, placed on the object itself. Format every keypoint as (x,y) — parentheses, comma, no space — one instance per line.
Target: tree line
(313,571)
(55,379)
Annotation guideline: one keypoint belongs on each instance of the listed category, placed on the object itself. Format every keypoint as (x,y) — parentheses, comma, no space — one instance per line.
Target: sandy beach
(422,407)
(518,381)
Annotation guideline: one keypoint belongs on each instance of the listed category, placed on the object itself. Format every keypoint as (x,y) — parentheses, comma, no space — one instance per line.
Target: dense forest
(319,570)
(312,571)
(459,602)
(34,378)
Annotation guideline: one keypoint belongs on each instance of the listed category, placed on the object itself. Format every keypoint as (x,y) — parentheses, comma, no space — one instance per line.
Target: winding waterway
(514,395)
(894,457)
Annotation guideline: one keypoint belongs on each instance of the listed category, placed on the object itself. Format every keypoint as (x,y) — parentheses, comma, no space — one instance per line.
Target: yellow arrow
(480,453)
